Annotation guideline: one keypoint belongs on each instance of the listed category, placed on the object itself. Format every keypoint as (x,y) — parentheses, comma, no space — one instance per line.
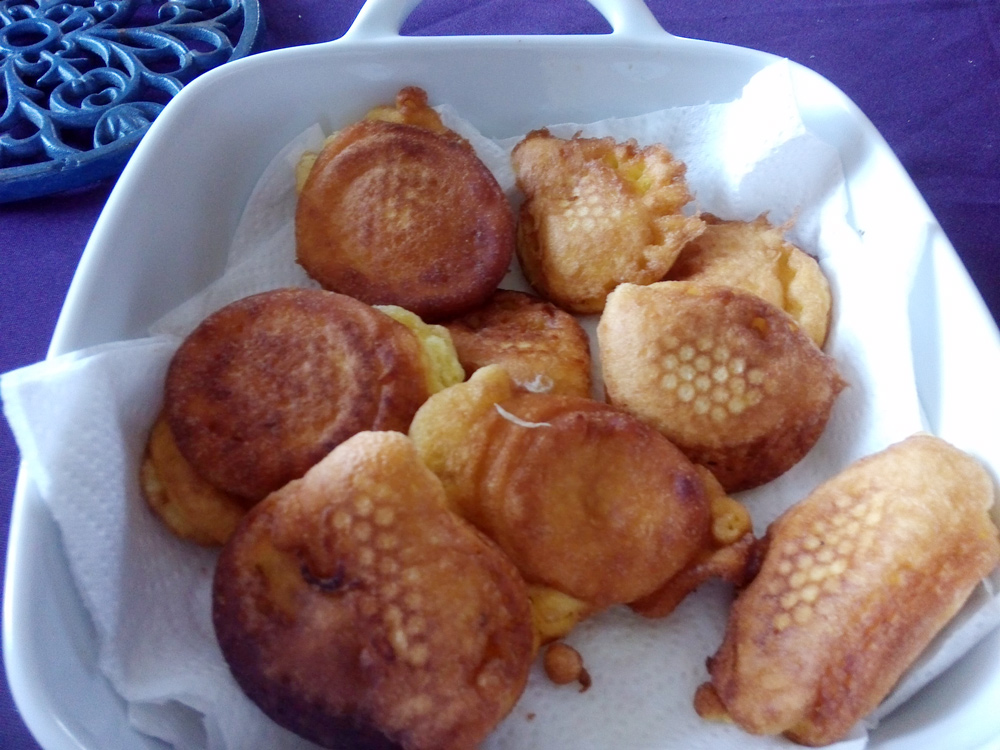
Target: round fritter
(189,506)
(598,213)
(755,256)
(730,379)
(356,610)
(395,214)
(542,347)
(584,498)
(265,387)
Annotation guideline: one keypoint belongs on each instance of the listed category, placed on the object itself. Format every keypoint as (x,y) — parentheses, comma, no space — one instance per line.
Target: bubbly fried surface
(188,505)
(395,214)
(268,385)
(730,379)
(585,499)
(357,611)
(598,213)
(855,581)
(542,347)
(755,256)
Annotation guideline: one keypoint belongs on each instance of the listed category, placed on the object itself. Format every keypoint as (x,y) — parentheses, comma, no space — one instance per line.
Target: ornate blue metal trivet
(84,79)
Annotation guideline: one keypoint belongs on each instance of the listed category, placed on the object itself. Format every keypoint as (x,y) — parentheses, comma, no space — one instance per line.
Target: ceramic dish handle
(381,19)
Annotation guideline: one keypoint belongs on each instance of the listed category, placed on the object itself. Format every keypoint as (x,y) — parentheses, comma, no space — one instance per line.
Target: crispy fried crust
(357,611)
(855,581)
(585,499)
(542,347)
(730,379)
(189,506)
(268,385)
(597,213)
(755,256)
(396,214)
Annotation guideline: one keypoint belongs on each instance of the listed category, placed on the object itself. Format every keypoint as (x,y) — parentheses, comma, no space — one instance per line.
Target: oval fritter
(855,581)
(355,609)
(542,347)
(265,387)
(395,214)
(755,256)
(598,213)
(729,378)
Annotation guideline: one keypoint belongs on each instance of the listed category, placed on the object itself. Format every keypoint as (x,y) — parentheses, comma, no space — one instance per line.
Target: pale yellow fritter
(729,378)
(598,213)
(855,581)
(356,610)
(189,506)
(755,256)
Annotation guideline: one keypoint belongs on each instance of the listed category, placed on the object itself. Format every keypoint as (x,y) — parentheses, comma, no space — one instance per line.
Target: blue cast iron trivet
(83,79)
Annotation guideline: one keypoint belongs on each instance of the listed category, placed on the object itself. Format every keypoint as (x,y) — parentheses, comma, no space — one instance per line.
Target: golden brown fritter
(189,506)
(585,499)
(265,387)
(542,347)
(395,214)
(755,256)
(355,609)
(598,213)
(855,581)
(729,378)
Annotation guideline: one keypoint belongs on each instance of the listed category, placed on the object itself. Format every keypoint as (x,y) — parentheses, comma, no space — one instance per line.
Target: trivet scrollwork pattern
(84,79)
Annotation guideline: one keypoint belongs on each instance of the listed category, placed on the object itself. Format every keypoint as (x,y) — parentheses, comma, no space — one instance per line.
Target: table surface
(926,73)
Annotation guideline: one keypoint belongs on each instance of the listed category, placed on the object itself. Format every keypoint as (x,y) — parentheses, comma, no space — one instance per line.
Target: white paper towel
(81,422)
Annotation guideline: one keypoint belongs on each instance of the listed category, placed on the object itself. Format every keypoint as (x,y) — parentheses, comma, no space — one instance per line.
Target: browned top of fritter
(542,347)
(395,214)
(268,385)
(358,611)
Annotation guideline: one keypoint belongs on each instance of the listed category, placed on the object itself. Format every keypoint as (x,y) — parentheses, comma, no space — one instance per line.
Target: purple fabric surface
(926,72)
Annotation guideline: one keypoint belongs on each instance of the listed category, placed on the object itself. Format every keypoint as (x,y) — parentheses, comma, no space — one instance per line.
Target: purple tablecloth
(926,73)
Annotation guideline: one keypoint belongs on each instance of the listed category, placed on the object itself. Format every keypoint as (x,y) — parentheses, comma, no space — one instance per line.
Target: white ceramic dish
(182,193)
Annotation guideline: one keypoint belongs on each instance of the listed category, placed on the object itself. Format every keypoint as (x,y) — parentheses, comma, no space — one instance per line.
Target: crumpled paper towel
(81,422)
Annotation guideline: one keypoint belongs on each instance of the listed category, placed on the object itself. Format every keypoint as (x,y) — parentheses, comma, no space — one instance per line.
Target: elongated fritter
(855,581)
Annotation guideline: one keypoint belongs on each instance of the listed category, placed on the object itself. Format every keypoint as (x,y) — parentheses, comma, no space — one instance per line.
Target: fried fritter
(598,213)
(356,610)
(585,499)
(755,256)
(542,347)
(189,506)
(265,387)
(855,582)
(396,214)
(729,378)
